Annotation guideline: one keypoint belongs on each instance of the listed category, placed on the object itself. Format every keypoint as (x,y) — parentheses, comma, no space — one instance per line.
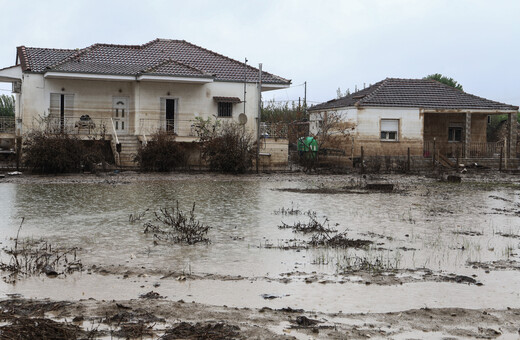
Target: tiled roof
(36,59)
(417,93)
(158,57)
(169,67)
(227,99)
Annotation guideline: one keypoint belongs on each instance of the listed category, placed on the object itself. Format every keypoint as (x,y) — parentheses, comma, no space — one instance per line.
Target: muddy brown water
(423,224)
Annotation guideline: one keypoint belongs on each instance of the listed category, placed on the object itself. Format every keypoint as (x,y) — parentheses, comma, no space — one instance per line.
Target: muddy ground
(483,177)
(156,318)
(152,316)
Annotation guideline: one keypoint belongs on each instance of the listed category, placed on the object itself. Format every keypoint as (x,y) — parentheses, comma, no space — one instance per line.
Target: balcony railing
(7,124)
(273,130)
(457,149)
(82,125)
(182,125)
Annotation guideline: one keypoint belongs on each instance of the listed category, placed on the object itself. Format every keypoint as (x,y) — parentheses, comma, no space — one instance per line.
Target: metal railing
(457,149)
(182,125)
(7,124)
(273,130)
(81,125)
(114,132)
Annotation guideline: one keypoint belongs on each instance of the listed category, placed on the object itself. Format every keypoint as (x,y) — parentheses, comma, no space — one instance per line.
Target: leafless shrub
(161,153)
(226,147)
(377,264)
(292,211)
(178,226)
(322,235)
(134,217)
(313,226)
(333,134)
(323,238)
(52,151)
(30,257)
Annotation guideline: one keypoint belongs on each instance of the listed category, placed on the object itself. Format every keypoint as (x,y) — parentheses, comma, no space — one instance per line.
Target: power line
(288,100)
(290,87)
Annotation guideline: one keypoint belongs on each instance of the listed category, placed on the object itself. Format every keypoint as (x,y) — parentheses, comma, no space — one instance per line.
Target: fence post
(408,161)
(433,155)
(18,146)
(458,157)
(362,160)
(500,163)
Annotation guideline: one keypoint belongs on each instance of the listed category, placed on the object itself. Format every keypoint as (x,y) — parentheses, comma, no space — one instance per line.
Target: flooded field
(424,245)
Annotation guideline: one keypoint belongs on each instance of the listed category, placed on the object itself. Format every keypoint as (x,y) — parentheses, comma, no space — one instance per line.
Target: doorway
(170,115)
(120,114)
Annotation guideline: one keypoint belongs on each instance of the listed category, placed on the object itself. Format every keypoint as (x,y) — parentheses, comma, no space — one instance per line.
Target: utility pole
(259,115)
(305,100)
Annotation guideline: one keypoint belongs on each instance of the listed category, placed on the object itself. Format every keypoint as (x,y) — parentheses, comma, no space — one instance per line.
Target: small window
(225,109)
(455,134)
(389,129)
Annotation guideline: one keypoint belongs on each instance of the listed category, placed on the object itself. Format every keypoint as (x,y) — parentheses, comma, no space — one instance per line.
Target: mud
(159,319)
(450,246)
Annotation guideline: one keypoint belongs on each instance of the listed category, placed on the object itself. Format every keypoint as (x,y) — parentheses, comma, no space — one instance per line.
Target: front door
(120,114)
(170,115)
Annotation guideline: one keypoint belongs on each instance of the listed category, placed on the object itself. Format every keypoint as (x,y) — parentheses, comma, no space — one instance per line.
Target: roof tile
(186,59)
(419,93)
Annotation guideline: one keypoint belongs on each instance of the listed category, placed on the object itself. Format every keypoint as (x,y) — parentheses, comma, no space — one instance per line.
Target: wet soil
(155,313)
(479,179)
(160,319)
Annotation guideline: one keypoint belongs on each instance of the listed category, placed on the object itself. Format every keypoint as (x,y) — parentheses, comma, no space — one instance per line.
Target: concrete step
(129,148)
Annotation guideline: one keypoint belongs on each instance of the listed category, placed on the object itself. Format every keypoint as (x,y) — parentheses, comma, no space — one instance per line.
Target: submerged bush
(52,152)
(227,148)
(177,226)
(56,152)
(161,153)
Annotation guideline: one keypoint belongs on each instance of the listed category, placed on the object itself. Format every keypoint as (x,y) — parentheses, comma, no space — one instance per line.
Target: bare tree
(332,131)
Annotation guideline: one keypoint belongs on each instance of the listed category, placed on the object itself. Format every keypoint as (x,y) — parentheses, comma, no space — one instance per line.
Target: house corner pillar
(467,135)
(511,135)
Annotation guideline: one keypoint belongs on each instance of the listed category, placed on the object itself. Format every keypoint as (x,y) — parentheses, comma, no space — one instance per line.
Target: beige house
(395,115)
(128,92)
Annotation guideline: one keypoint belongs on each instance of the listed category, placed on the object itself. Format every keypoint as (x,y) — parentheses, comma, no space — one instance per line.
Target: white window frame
(387,130)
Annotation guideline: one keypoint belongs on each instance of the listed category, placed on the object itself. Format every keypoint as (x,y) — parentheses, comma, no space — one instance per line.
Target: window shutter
(69,105)
(163,110)
(389,125)
(54,109)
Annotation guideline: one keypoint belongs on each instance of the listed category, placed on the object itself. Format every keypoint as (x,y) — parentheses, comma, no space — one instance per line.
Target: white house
(395,115)
(131,91)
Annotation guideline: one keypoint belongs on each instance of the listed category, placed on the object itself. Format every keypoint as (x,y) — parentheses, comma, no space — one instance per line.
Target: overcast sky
(329,44)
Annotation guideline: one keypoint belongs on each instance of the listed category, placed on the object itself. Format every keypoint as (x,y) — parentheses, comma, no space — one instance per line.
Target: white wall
(347,114)
(369,120)
(94,97)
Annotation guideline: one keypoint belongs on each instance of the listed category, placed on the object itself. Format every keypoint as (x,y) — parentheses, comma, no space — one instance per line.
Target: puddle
(424,224)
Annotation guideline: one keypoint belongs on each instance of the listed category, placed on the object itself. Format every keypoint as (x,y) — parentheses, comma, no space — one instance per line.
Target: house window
(389,129)
(225,109)
(61,109)
(61,104)
(455,134)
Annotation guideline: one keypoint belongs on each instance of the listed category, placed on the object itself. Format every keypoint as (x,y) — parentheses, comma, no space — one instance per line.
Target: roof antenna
(363,86)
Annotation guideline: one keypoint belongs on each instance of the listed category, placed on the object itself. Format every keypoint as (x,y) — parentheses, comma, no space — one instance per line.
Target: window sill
(389,141)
